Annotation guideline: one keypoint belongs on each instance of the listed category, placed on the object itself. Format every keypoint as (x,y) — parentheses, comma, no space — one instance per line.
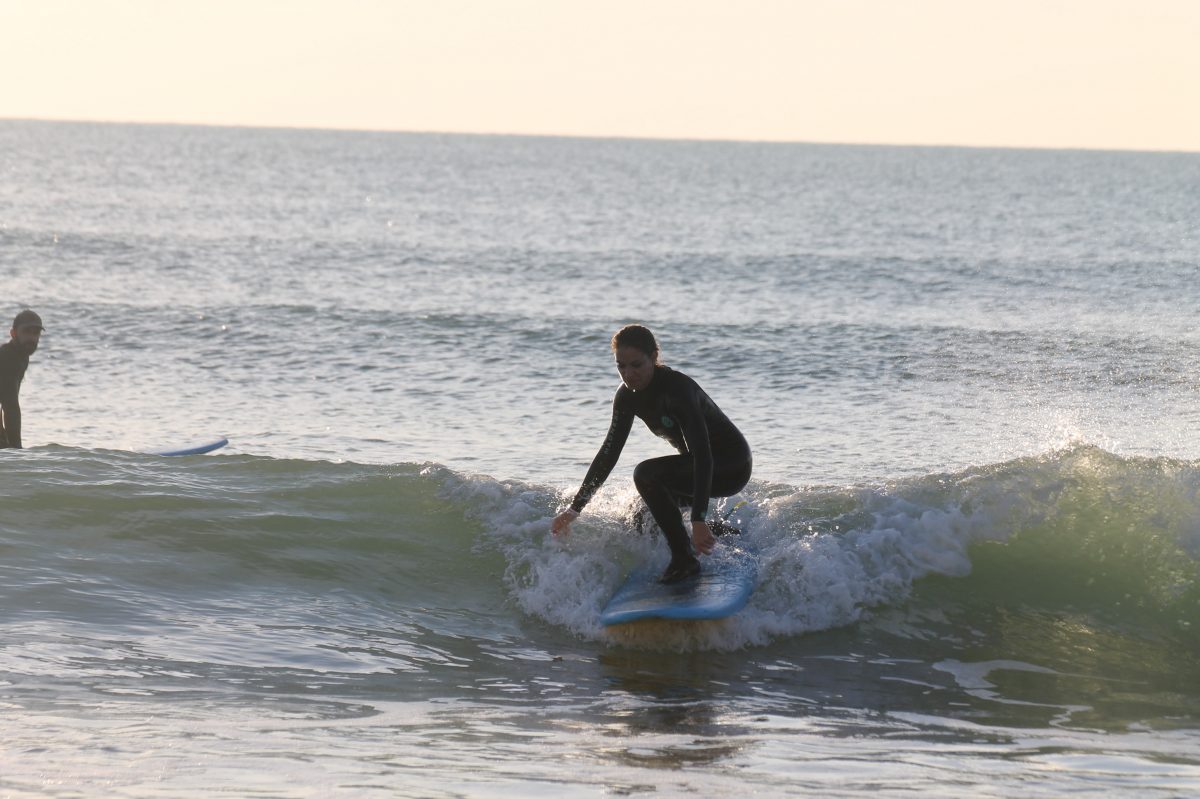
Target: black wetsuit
(13,363)
(714,459)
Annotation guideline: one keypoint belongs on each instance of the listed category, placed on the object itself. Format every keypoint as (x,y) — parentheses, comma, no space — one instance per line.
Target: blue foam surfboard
(723,587)
(199,449)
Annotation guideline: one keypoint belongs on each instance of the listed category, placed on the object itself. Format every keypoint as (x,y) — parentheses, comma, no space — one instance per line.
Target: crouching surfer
(713,461)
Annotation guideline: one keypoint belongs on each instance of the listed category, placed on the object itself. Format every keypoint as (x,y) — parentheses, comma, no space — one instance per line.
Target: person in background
(14,360)
(713,461)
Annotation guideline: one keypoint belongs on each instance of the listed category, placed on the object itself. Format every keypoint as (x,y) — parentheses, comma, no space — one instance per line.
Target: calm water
(968,376)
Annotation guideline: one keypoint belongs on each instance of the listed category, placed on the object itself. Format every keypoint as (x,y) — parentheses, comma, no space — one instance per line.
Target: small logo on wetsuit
(668,422)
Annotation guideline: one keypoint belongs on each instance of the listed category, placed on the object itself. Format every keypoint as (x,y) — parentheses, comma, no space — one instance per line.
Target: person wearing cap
(14,360)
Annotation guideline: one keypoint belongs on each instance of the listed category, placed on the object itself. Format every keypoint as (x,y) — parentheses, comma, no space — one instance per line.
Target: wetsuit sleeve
(695,435)
(610,451)
(10,407)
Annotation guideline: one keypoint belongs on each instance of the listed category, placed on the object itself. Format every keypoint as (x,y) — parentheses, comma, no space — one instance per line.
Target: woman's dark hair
(637,337)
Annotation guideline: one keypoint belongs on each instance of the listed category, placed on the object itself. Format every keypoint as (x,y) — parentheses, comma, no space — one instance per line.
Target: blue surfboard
(723,587)
(198,449)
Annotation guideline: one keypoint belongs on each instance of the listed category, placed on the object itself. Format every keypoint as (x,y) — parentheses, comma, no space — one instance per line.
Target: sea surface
(970,378)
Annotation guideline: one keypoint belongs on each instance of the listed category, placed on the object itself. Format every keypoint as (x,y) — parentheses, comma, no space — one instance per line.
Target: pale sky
(1018,73)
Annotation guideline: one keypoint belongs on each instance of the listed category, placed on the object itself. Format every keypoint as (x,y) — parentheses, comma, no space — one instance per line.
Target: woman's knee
(646,474)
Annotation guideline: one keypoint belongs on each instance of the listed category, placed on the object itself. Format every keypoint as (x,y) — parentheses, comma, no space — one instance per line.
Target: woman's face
(635,367)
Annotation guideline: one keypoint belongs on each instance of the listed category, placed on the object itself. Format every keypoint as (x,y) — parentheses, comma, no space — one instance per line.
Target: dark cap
(27,318)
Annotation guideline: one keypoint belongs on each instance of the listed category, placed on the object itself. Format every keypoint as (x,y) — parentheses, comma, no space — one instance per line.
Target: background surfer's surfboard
(198,449)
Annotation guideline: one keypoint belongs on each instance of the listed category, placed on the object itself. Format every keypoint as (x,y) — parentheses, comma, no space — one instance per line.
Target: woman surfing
(713,461)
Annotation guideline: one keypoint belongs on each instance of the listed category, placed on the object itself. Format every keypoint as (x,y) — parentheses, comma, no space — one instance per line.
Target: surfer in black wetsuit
(714,459)
(14,360)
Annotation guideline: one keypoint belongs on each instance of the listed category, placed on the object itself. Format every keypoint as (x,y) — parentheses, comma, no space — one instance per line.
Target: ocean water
(970,379)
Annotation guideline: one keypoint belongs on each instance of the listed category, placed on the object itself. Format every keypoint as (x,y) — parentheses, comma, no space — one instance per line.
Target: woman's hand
(562,522)
(702,537)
